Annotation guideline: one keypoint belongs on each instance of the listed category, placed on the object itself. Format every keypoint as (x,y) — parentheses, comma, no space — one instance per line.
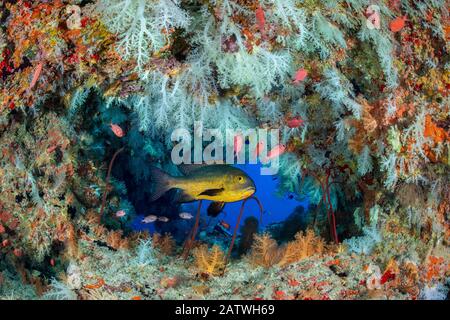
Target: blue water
(276,207)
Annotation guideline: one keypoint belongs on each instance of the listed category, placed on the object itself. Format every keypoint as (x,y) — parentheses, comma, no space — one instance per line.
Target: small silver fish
(163,219)
(149,219)
(186,215)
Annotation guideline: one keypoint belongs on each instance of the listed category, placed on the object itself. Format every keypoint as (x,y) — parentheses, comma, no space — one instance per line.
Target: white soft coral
(139,24)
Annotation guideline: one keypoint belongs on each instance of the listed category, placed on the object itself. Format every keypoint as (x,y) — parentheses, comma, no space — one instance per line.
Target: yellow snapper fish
(215,182)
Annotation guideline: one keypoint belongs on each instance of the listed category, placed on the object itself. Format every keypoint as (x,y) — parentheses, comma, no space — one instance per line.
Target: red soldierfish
(117,130)
(225,225)
(300,75)
(294,122)
(120,214)
(276,151)
(261,21)
(238,143)
(397,24)
(36,75)
(52,148)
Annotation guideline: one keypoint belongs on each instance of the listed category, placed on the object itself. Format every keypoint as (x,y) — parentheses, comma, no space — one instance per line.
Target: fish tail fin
(162,183)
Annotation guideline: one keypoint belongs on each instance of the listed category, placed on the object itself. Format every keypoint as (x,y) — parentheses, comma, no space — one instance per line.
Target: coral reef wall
(359,90)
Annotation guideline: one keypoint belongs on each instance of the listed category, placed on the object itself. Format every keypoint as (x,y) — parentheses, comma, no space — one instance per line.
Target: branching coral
(211,262)
(305,245)
(36,170)
(164,243)
(143,27)
(60,291)
(266,252)
(46,50)
(144,253)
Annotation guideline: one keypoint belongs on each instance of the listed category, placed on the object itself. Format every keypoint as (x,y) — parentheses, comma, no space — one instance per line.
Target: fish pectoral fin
(211,192)
(215,208)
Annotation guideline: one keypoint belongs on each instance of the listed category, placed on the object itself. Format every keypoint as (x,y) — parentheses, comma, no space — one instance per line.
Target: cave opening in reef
(131,186)
(91,92)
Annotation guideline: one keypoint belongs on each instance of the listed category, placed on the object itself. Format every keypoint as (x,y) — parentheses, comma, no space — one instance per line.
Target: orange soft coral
(166,244)
(436,268)
(211,262)
(114,240)
(305,245)
(438,134)
(265,251)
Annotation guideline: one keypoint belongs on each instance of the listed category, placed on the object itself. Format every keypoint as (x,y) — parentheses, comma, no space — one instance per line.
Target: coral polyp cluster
(36,197)
(91,93)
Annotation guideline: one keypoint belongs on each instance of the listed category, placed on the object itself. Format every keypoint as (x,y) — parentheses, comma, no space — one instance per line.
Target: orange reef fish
(225,225)
(397,24)
(52,148)
(238,143)
(149,219)
(300,75)
(17,252)
(294,122)
(261,21)
(186,215)
(36,74)
(120,214)
(117,130)
(100,283)
(276,151)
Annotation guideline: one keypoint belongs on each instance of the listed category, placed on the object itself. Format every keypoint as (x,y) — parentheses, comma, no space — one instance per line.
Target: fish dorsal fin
(188,169)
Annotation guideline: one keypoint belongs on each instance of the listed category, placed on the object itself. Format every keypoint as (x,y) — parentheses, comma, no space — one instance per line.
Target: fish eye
(240,179)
